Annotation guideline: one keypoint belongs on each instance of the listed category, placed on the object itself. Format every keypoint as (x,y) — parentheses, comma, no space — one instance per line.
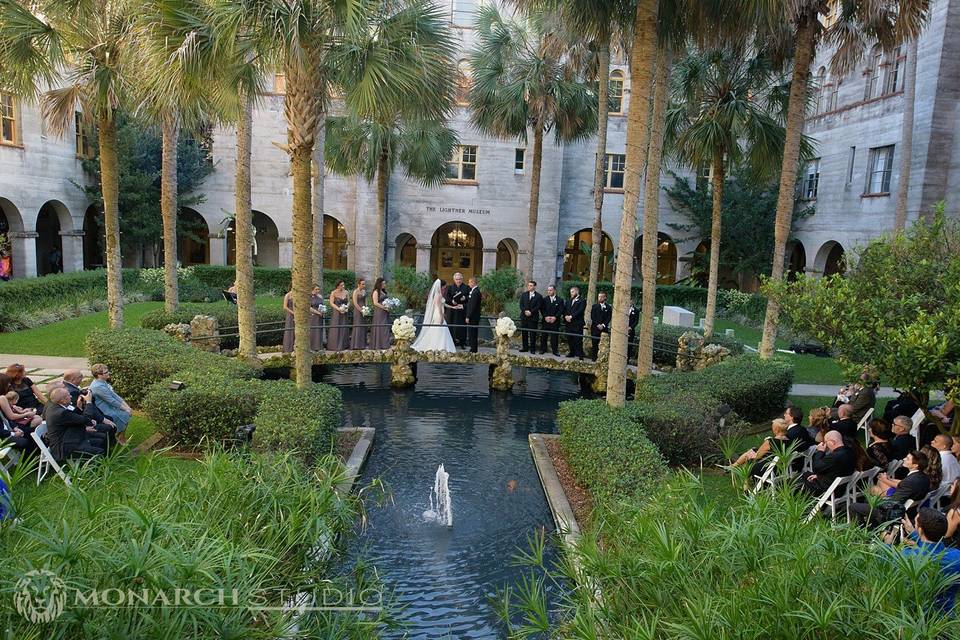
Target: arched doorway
(456,247)
(10,222)
(666,258)
(830,259)
(576,256)
(94,251)
(266,241)
(406,250)
(507,253)
(334,244)
(193,238)
(49,241)
(797,264)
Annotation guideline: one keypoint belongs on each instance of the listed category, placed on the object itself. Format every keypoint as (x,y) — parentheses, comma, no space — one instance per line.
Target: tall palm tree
(795,25)
(407,125)
(77,56)
(724,114)
(525,80)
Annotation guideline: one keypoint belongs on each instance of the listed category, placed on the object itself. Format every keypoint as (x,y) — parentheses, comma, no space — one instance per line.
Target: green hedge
(667,294)
(269,320)
(609,453)
(265,279)
(291,419)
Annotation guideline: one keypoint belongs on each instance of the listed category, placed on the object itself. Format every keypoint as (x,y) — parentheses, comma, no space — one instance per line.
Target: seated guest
(777,443)
(862,395)
(796,432)
(818,423)
(934,466)
(914,486)
(30,397)
(107,400)
(943,411)
(902,443)
(880,451)
(948,462)
(845,423)
(11,432)
(832,460)
(68,433)
(928,533)
(72,378)
(953,517)
(17,415)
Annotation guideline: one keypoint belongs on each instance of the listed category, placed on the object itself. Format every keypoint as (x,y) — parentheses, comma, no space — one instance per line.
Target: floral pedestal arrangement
(502,376)
(401,373)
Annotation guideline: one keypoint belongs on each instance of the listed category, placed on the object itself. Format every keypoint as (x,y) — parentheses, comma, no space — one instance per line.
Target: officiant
(454,301)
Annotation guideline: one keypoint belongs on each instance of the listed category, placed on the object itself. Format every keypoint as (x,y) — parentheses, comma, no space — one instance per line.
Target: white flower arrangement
(366,311)
(392,304)
(322,308)
(403,328)
(506,327)
(344,308)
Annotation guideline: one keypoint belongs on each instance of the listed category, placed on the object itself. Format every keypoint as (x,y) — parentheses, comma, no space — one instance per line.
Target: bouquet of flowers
(392,304)
(344,308)
(403,328)
(322,308)
(506,327)
(366,311)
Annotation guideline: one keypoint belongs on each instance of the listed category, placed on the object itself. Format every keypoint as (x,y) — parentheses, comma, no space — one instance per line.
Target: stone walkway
(42,369)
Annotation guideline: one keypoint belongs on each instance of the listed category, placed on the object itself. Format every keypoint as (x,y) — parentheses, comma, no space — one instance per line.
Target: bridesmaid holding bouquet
(288,322)
(337,336)
(380,333)
(358,337)
(316,319)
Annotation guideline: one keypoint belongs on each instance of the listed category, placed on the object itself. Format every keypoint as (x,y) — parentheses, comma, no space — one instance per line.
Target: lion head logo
(39,596)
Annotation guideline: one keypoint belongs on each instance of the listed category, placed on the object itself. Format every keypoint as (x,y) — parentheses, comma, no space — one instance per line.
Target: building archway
(666,258)
(10,222)
(94,251)
(406,250)
(266,241)
(456,247)
(193,238)
(797,260)
(334,244)
(52,219)
(831,259)
(507,251)
(576,256)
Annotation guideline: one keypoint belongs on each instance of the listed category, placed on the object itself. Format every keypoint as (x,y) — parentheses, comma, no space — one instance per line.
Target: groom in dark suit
(573,319)
(530,302)
(472,312)
(552,313)
(455,299)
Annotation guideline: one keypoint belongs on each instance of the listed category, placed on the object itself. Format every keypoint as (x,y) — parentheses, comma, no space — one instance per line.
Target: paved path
(801,389)
(44,368)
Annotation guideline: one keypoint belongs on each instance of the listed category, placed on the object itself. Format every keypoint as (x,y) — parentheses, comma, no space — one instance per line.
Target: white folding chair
(917,421)
(864,421)
(934,497)
(47,461)
(830,499)
(808,459)
(893,466)
(868,477)
(8,459)
(768,478)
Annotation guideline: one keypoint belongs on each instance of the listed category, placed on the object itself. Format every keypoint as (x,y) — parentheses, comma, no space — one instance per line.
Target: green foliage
(266,280)
(269,321)
(894,311)
(609,453)
(667,294)
(410,285)
(739,304)
(666,341)
(498,288)
(291,419)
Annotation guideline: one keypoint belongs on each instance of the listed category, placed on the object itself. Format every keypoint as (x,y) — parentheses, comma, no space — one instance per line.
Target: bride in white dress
(434,338)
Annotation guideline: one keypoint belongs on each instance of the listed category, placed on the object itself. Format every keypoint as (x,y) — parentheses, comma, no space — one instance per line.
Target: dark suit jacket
(532,303)
(475,298)
(798,433)
(634,318)
(902,445)
(600,314)
(575,309)
(830,465)
(552,309)
(914,487)
(65,429)
(74,392)
(455,295)
(847,428)
(863,402)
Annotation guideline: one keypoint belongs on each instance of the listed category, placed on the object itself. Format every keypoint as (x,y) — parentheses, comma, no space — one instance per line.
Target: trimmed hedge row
(226,315)
(609,453)
(304,420)
(667,294)
(265,279)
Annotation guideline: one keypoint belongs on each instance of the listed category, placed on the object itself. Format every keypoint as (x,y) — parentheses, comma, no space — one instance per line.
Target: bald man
(845,423)
(830,461)
(70,434)
(72,379)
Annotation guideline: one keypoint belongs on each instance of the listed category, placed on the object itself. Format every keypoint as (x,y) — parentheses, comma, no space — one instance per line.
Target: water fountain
(441,509)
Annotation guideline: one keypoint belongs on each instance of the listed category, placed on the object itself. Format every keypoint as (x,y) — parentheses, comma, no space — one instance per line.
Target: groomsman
(573,318)
(552,312)
(455,299)
(632,335)
(600,316)
(474,300)
(530,302)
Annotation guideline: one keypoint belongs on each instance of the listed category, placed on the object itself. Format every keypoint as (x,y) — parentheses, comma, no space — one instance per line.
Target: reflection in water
(444,578)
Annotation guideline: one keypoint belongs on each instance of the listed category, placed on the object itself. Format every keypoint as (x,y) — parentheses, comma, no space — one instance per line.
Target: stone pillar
(218,249)
(689,350)
(489,260)
(401,373)
(603,364)
(423,257)
(72,242)
(501,378)
(286,252)
(24,249)
(205,333)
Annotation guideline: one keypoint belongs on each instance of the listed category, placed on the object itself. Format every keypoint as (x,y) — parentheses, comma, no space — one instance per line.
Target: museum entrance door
(456,246)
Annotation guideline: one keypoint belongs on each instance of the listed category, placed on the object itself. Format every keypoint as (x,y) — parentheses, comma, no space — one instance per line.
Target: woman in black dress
(358,337)
(288,322)
(337,336)
(30,396)
(380,333)
(316,319)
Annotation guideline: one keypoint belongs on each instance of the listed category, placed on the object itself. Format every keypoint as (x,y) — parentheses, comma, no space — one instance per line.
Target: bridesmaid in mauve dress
(337,336)
(380,333)
(358,337)
(288,323)
(316,320)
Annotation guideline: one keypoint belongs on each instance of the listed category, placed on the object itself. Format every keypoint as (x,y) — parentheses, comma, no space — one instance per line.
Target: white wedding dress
(434,338)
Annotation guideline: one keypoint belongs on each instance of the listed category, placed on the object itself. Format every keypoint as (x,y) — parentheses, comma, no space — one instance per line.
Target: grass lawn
(139,429)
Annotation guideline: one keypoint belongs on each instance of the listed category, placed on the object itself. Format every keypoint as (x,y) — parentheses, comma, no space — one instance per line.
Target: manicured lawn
(139,429)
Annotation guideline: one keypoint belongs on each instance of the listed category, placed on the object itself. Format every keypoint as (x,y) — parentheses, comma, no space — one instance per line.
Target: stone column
(72,242)
(489,260)
(286,252)
(502,376)
(401,373)
(218,249)
(423,257)
(24,246)
(205,333)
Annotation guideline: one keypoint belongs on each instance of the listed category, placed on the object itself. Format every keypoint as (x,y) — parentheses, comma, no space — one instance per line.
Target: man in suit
(551,311)
(832,460)
(914,486)
(632,320)
(69,433)
(472,314)
(573,319)
(81,400)
(455,299)
(600,316)
(530,302)
(902,443)
(844,422)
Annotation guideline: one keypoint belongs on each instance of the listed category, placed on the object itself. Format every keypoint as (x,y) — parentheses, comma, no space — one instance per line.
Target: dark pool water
(442,580)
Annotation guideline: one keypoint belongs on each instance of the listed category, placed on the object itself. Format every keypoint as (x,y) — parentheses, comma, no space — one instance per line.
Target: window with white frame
(879,170)
(614,169)
(519,155)
(874,72)
(820,95)
(82,136)
(895,70)
(811,179)
(833,95)
(463,13)
(463,164)
(616,92)
(8,119)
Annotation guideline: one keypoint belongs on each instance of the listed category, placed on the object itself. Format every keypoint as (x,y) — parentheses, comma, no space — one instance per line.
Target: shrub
(498,288)
(269,321)
(735,303)
(667,294)
(291,419)
(609,452)
(411,285)
(666,338)
(265,279)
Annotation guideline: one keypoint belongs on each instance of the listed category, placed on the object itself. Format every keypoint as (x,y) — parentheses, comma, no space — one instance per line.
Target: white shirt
(951,468)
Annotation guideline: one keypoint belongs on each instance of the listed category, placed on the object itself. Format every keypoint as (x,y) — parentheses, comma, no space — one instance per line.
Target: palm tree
(797,23)
(722,116)
(407,125)
(906,136)
(77,55)
(525,79)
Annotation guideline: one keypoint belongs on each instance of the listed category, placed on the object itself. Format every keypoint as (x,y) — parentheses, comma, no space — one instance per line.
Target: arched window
(334,244)
(666,259)
(615,91)
(266,241)
(193,238)
(833,95)
(464,82)
(873,74)
(576,256)
(406,250)
(506,253)
(798,261)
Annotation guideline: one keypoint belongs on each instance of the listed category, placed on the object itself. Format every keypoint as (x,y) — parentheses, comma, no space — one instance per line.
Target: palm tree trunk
(243,234)
(651,212)
(534,197)
(318,185)
(168,212)
(638,135)
(803,55)
(906,137)
(110,186)
(383,182)
(713,283)
(599,172)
